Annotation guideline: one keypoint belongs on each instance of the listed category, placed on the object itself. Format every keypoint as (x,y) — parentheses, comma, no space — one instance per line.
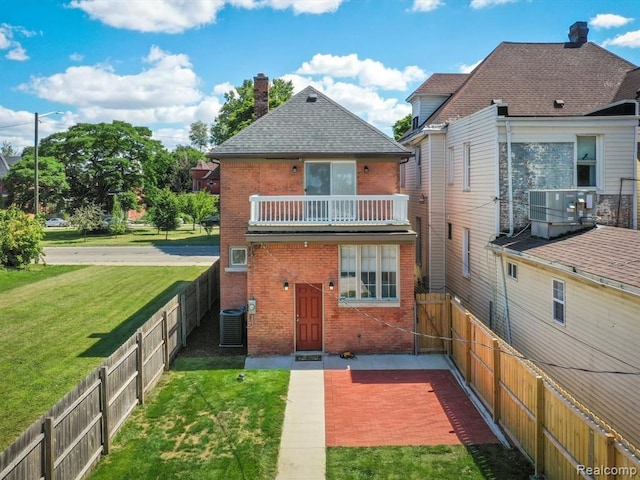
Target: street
(150,256)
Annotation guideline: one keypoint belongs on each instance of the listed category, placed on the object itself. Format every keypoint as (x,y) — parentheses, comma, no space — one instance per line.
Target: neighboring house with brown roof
(206,176)
(314,235)
(536,133)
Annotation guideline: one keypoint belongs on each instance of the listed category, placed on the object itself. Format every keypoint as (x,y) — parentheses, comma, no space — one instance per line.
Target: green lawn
(203,424)
(58,323)
(140,236)
(442,462)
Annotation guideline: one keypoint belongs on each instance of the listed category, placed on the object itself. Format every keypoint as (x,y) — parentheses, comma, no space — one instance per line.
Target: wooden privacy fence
(562,438)
(67,441)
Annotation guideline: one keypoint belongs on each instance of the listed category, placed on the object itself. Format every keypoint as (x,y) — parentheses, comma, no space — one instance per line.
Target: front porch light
(285,285)
(330,284)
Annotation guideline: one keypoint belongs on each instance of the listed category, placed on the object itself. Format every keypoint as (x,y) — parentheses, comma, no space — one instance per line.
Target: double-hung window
(466,166)
(418,154)
(558,301)
(369,272)
(450,165)
(586,162)
(466,252)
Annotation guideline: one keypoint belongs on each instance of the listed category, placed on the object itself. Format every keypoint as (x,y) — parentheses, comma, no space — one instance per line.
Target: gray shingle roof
(441,84)
(623,266)
(6,163)
(530,76)
(303,128)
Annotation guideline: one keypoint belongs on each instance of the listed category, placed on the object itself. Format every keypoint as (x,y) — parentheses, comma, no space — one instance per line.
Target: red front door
(308,317)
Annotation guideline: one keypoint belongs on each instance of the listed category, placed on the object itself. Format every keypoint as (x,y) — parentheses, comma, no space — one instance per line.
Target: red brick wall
(362,330)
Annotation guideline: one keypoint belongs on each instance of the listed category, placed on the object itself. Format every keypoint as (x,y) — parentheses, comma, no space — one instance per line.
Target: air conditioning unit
(555,212)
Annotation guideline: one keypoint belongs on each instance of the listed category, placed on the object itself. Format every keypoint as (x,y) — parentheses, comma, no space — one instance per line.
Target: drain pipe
(509,179)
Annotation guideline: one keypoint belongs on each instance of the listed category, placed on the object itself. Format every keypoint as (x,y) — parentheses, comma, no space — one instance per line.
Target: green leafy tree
(103,158)
(20,238)
(7,149)
(52,182)
(199,135)
(118,223)
(237,111)
(402,126)
(198,206)
(165,210)
(87,218)
(183,159)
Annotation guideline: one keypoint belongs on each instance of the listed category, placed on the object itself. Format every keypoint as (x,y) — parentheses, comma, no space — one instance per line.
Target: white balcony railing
(329,210)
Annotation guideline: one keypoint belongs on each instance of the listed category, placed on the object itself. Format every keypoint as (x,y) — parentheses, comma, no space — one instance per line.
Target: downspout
(507,321)
(509,179)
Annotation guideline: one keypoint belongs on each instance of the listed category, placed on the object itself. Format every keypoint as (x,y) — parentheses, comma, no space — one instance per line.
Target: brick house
(514,164)
(205,176)
(314,236)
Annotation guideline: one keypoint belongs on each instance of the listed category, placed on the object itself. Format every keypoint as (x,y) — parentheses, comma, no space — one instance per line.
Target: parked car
(55,222)
(210,221)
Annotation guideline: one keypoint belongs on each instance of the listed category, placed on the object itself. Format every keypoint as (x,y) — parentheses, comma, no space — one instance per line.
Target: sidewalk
(303,443)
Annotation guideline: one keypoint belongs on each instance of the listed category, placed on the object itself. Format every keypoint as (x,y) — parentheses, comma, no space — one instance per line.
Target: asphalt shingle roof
(616,258)
(530,76)
(441,84)
(303,128)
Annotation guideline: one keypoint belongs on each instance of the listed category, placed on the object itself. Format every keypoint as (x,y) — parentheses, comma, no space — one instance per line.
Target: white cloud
(223,88)
(629,39)
(169,81)
(369,73)
(176,16)
(609,20)
(8,42)
(469,68)
(426,5)
(76,57)
(489,3)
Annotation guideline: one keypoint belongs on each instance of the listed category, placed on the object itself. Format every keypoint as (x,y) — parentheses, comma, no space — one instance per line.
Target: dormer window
(414,123)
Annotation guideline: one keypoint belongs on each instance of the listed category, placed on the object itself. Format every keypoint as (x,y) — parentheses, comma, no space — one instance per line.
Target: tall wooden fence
(561,437)
(67,441)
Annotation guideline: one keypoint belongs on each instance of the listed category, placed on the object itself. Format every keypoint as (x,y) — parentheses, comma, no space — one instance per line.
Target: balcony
(333,212)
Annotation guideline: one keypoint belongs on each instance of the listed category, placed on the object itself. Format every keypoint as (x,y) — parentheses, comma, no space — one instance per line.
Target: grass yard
(57,323)
(202,423)
(442,462)
(138,236)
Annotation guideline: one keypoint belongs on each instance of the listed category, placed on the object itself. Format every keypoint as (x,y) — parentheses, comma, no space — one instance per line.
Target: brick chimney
(260,95)
(578,33)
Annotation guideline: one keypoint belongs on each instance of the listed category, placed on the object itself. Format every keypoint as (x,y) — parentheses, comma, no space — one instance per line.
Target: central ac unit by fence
(554,212)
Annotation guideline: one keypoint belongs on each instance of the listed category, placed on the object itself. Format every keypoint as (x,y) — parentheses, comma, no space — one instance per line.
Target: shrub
(20,237)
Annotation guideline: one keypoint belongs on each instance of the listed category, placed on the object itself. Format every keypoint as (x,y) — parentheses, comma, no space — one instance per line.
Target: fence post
(209,286)
(140,361)
(610,460)
(467,348)
(49,449)
(496,381)
(198,309)
(165,339)
(448,331)
(183,320)
(539,460)
(104,397)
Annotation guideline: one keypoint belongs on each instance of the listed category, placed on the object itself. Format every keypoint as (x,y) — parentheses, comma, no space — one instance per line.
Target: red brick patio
(366,408)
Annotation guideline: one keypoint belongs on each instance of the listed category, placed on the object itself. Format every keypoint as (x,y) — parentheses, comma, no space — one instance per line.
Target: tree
(103,158)
(87,218)
(20,238)
(198,205)
(52,182)
(118,223)
(237,111)
(165,210)
(402,126)
(199,135)
(182,160)
(7,149)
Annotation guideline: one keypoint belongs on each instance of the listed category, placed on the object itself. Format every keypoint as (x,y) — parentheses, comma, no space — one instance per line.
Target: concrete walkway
(303,446)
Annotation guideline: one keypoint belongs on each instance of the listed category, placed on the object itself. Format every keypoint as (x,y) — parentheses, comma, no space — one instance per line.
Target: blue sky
(164,64)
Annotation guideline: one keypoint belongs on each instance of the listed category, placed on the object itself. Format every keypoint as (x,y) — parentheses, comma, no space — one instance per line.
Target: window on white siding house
(558,301)
(466,252)
(512,270)
(369,272)
(587,157)
(237,256)
(419,241)
(418,153)
(466,167)
(450,165)
(414,123)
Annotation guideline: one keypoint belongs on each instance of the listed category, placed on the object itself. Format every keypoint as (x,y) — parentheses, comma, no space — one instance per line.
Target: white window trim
(599,186)
(466,166)
(332,162)
(237,267)
(418,153)
(466,252)
(450,165)
(349,302)
(512,270)
(562,301)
